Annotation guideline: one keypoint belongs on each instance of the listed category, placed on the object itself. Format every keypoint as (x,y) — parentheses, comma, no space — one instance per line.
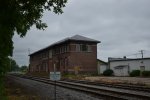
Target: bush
(135,73)
(146,73)
(108,72)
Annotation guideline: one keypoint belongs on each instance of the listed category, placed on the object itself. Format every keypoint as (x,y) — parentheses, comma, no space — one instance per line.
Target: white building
(123,66)
(101,66)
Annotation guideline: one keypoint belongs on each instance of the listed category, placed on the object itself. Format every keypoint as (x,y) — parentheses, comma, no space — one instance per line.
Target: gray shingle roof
(73,38)
(127,59)
(82,38)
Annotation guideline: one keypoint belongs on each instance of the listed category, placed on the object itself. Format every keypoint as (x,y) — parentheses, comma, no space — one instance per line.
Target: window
(44,67)
(89,48)
(65,48)
(61,49)
(77,47)
(57,51)
(40,56)
(44,55)
(83,48)
(50,53)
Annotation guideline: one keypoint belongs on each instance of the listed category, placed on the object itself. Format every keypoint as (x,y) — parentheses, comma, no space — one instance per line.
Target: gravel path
(46,91)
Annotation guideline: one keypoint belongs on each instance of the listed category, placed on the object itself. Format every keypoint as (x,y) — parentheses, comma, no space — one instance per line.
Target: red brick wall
(86,61)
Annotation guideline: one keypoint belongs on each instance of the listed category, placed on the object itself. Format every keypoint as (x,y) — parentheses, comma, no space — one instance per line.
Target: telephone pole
(142,53)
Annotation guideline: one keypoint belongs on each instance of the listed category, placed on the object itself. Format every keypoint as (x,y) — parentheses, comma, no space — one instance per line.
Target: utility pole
(142,53)
(142,67)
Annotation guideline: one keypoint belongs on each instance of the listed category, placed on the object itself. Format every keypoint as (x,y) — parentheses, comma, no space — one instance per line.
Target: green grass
(39,74)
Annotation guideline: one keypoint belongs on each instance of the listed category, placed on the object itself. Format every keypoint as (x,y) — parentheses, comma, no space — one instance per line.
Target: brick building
(72,54)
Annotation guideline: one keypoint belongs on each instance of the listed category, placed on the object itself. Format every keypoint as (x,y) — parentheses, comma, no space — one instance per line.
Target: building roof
(73,38)
(82,38)
(125,59)
(102,61)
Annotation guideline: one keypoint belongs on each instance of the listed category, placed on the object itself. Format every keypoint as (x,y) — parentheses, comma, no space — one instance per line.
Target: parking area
(130,80)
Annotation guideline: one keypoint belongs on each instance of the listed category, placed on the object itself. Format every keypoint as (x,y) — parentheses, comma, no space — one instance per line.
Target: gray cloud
(123,27)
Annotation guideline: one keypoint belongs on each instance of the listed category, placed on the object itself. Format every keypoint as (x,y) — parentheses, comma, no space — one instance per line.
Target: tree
(13,65)
(17,16)
(24,68)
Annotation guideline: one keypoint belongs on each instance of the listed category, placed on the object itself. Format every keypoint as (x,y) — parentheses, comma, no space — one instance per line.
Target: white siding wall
(121,71)
(101,69)
(133,64)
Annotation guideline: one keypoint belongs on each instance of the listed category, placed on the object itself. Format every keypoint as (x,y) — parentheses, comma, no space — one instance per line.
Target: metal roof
(73,38)
(127,59)
(102,61)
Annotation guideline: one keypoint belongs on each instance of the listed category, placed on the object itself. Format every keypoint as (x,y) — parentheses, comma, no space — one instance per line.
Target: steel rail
(122,86)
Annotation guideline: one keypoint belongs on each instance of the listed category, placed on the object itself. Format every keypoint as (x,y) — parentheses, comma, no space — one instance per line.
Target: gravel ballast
(46,91)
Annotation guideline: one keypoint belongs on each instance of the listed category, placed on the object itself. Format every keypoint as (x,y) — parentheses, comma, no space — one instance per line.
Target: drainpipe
(48,62)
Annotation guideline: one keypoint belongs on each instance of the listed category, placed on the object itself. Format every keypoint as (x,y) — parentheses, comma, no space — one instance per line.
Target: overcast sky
(122,26)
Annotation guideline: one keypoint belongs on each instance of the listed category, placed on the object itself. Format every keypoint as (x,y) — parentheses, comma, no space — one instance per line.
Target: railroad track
(110,93)
(122,86)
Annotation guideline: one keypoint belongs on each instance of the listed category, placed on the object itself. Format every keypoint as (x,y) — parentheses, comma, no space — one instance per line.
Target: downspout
(48,62)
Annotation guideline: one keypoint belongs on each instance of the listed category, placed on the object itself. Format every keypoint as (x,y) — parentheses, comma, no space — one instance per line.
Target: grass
(39,74)
(74,76)
(63,76)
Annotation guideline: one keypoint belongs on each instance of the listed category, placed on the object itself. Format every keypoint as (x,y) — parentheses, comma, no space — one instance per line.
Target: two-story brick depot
(70,55)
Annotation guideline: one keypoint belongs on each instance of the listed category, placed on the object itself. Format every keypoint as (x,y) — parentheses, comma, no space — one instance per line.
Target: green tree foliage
(14,66)
(24,68)
(17,16)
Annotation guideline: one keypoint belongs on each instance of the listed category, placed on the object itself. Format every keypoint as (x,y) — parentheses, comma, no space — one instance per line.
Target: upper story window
(50,53)
(44,55)
(83,48)
(60,49)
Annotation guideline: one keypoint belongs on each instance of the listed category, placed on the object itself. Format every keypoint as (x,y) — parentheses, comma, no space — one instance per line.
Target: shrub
(108,72)
(135,73)
(146,73)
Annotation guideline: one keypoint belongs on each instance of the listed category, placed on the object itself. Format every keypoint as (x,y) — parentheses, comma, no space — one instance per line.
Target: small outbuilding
(123,66)
(101,66)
